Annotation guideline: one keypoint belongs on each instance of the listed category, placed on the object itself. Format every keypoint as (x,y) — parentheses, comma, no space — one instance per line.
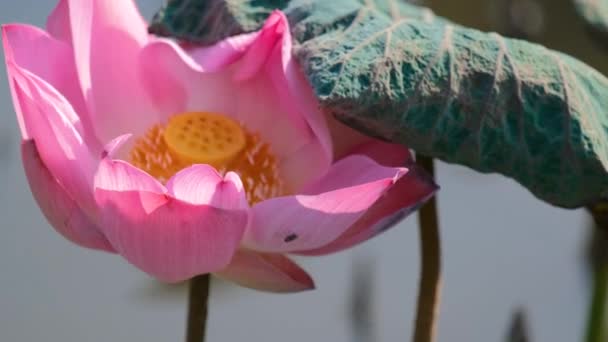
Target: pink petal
(167,237)
(58,22)
(51,122)
(202,184)
(222,54)
(303,166)
(165,76)
(344,138)
(107,37)
(384,153)
(62,212)
(266,272)
(324,210)
(51,60)
(348,141)
(169,72)
(257,83)
(299,97)
(114,146)
(120,176)
(260,51)
(406,196)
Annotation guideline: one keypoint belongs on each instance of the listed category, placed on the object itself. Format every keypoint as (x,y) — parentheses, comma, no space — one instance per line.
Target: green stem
(197,308)
(430,263)
(597,310)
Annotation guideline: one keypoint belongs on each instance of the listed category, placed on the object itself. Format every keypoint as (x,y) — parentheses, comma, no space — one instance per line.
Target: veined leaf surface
(397,72)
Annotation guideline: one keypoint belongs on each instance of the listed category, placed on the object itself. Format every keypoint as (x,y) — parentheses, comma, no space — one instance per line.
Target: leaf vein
(394,10)
(517,80)
(387,44)
(344,58)
(446,47)
(487,103)
(567,148)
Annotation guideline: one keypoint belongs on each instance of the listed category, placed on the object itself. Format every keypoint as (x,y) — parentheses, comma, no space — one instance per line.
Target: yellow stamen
(206,138)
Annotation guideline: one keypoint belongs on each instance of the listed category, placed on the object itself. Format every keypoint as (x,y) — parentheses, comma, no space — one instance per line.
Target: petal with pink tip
(62,212)
(324,210)
(298,98)
(406,196)
(167,237)
(266,272)
(110,81)
(51,60)
(271,55)
(51,122)
(58,22)
(258,54)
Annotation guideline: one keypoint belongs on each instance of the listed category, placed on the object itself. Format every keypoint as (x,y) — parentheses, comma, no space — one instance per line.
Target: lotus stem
(197,308)
(597,307)
(518,331)
(598,260)
(430,264)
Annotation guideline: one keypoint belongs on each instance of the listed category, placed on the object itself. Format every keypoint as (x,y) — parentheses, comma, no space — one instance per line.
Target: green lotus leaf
(397,72)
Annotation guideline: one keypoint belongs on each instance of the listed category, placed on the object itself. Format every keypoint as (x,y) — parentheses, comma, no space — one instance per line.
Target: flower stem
(197,308)
(597,309)
(430,264)
(598,260)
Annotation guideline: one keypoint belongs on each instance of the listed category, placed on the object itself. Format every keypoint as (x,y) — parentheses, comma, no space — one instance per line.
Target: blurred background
(503,250)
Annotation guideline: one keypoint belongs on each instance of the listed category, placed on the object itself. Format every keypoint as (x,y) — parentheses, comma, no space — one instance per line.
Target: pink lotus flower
(190,160)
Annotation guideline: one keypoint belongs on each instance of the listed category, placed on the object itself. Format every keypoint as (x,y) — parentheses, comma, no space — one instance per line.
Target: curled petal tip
(111,148)
(267,272)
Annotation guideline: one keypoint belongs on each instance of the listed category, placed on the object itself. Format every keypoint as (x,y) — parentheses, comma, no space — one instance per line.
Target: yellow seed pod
(204,138)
